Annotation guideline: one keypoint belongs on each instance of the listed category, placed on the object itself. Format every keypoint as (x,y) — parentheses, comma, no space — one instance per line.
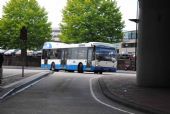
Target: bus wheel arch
(80,68)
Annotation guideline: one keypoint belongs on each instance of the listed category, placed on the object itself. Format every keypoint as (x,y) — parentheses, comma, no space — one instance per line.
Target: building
(127,46)
(55,34)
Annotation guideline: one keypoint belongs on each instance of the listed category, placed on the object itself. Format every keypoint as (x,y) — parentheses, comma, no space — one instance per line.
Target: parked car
(2,51)
(29,53)
(37,53)
(11,52)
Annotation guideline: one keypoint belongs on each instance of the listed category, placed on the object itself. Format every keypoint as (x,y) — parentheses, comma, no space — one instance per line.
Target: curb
(22,86)
(126,102)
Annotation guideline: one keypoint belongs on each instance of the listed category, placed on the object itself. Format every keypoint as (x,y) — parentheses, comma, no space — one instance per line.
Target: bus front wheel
(80,68)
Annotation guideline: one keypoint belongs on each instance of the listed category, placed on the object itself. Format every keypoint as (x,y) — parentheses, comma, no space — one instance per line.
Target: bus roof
(54,45)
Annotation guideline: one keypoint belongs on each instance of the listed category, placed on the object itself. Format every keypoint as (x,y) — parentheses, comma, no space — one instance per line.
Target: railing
(17,61)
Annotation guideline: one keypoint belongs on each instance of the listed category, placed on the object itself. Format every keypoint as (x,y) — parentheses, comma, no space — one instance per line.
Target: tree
(91,20)
(19,13)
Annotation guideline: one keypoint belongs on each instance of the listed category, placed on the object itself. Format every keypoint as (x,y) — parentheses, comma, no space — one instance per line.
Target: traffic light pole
(23,54)
(23,57)
(23,37)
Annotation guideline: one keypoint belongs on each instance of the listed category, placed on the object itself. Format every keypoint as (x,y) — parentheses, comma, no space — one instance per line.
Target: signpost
(23,37)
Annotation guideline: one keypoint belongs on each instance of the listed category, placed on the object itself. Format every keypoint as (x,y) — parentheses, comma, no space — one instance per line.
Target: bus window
(58,54)
(105,54)
(82,53)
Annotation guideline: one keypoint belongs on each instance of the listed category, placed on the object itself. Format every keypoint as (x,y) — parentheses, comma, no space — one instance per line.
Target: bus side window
(58,54)
(55,54)
(82,52)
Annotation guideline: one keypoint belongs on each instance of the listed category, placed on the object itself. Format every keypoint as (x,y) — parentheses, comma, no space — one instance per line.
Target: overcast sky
(54,8)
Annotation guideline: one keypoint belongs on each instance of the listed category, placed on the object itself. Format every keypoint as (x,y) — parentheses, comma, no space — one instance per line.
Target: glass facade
(130,35)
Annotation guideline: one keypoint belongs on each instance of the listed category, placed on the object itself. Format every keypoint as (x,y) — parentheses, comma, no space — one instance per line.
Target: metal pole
(136,21)
(1,75)
(136,47)
(1,69)
(23,37)
(22,53)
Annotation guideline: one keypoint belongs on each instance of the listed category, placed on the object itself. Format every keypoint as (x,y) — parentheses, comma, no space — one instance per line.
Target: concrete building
(129,42)
(55,34)
(127,46)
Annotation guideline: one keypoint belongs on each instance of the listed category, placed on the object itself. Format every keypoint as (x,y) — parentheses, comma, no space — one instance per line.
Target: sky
(54,9)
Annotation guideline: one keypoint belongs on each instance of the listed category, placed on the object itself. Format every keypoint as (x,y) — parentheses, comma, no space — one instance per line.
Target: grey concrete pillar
(153,49)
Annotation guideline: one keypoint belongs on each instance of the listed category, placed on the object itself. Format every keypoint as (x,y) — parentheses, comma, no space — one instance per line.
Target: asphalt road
(64,93)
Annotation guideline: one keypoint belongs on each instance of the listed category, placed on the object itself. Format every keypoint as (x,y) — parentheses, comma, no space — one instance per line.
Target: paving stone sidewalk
(14,82)
(124,89)
(14,78)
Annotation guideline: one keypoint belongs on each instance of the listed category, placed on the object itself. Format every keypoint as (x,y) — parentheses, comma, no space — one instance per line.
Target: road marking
(110,106)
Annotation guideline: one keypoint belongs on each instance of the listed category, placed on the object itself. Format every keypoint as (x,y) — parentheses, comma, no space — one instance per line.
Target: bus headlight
(97,64)
(113,60)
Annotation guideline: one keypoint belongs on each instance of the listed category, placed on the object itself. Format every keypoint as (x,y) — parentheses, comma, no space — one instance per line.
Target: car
(29,53)
(37,53)
(11,52)
(2,51)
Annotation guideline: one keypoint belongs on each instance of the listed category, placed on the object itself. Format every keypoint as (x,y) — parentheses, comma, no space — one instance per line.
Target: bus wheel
(52,66)
(100,72)
(95,72)
(80,68)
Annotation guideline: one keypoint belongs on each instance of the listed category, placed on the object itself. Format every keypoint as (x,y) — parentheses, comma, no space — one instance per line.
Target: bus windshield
(105,54)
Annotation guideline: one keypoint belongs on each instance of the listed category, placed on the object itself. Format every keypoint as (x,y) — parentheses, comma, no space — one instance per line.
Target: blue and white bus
(95,57)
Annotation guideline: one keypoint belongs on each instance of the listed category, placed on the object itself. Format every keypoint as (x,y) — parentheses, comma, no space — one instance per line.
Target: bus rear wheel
(80,68)
(52,66)
(100,72)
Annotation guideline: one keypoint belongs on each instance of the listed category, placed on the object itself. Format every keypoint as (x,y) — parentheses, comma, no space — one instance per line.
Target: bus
(94,57)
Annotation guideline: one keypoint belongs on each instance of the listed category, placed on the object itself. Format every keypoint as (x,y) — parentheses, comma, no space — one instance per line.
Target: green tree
(91,20)
(18,13)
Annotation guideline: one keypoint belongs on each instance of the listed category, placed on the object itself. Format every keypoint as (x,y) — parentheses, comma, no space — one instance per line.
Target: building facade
(128,45)
(55,34)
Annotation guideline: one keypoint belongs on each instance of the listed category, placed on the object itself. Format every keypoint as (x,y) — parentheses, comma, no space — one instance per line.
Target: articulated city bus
(95,57)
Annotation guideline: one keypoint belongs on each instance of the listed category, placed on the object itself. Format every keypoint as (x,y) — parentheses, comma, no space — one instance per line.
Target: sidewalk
(12,83)
(124,89)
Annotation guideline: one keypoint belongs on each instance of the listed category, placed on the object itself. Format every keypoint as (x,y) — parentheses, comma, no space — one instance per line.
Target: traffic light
(23,33)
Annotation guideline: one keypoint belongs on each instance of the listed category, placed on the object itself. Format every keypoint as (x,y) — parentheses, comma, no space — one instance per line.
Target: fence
(34,61)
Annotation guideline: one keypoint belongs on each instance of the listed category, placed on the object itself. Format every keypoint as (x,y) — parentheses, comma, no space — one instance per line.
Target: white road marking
(110,106)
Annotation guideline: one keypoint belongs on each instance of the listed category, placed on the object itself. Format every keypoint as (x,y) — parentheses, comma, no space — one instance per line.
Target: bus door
(89,58)
(63,58)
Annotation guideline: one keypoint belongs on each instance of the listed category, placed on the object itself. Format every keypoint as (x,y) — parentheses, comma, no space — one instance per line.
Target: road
(64,93)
